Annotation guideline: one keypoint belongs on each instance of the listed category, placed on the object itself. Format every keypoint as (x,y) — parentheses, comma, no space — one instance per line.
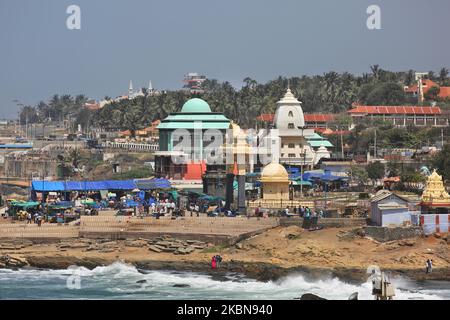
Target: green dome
(196,105)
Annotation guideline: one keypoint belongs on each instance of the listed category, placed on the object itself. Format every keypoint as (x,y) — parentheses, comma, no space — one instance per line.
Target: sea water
(122,281)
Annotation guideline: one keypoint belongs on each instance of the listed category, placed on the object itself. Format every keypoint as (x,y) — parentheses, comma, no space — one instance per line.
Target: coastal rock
(164,243)
(154,249)
(310,296)
(181,285)
(239,246)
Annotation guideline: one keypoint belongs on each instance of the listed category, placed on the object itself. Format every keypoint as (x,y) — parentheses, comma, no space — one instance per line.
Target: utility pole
(342,145)
(375,145)
(442,138)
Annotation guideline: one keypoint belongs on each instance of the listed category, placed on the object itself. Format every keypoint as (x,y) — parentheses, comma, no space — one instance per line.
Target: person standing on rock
(213,262)
(218,259)
(429,266)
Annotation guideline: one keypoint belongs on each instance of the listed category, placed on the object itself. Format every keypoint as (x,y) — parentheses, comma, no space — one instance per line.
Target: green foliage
(432,93)
(137,173)
(412,177)
(442,162)
(359,174)
(385,94)
(394,169)
(331,92)
(375,170)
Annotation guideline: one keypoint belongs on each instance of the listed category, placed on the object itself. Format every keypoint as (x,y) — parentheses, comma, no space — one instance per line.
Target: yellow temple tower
(434,194)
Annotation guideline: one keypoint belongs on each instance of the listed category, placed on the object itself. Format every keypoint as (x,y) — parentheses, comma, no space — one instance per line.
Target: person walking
(257,211)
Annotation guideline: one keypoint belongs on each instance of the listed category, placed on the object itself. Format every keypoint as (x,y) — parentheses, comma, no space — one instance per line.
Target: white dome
(289,112)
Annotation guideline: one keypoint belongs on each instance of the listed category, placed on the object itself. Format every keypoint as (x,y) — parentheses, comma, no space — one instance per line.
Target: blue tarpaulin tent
(326,176)
(67,186)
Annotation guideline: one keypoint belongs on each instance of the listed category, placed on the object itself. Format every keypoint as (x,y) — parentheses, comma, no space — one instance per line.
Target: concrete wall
(326,222)
(384,234)
(435,223)
(375,211)
(397,217)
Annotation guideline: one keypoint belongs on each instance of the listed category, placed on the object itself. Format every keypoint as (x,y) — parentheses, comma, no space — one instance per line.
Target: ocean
(121,281)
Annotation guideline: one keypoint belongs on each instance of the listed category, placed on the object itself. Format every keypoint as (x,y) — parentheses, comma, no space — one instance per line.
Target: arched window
(290,114)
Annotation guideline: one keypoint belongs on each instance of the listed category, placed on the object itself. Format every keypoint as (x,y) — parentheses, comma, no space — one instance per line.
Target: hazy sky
(229,40)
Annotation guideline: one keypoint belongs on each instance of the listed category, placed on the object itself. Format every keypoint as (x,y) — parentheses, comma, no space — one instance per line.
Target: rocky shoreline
(258,271)
(275,254)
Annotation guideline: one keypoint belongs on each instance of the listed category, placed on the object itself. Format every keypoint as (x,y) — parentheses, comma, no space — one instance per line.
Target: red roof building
(401,115)
(312,120)
(427,85)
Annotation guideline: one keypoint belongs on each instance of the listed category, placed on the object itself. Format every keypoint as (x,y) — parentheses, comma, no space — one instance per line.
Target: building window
(291,126)
(290,114)
(291,145)
(282,145)
(291,155)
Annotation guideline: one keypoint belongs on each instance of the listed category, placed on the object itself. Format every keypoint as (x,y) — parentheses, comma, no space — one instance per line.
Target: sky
(161,40)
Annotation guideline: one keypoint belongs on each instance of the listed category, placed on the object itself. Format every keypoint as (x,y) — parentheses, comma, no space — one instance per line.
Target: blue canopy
(150,184)
(326,176)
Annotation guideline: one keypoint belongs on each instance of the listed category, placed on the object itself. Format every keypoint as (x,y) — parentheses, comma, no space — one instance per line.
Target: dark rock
(181,285)
(310,296)
(141,281)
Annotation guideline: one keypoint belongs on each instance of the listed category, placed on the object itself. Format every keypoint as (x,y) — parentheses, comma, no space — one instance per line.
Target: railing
(131,146)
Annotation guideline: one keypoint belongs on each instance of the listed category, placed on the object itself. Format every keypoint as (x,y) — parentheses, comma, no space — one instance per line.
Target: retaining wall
(385,234)
(326,222)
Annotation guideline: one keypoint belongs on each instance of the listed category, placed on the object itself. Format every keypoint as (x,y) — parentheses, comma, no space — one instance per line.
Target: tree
(442,162)
(375,71)
(388,94)
(433,93)
(443,76)
(409,79)
(375,171)
(394,169)
(359,175)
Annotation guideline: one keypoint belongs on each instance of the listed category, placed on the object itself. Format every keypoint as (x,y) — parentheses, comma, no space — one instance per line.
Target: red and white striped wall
(435,223)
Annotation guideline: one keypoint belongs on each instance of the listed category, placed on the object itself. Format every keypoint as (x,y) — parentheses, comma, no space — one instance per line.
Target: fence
(33,231)
(434,223)
(279,204)
(131,146)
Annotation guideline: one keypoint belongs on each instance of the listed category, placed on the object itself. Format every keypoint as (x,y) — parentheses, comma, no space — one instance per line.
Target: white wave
(123,280)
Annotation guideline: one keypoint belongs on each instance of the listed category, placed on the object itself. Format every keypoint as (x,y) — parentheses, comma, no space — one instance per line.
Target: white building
(294,146)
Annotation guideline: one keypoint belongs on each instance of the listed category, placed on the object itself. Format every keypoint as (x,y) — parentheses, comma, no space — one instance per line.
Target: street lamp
(303,155)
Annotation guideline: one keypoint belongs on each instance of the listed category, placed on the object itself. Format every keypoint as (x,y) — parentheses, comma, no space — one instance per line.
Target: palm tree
(375,71)
(443,76)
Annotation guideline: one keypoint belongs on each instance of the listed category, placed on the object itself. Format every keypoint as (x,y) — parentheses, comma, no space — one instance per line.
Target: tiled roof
(427,84)
(445,92)
(395,110)
(267,117)
(309,117)
(317,117)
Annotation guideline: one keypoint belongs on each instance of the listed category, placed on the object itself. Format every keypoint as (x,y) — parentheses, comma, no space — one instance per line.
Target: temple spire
(130,89)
